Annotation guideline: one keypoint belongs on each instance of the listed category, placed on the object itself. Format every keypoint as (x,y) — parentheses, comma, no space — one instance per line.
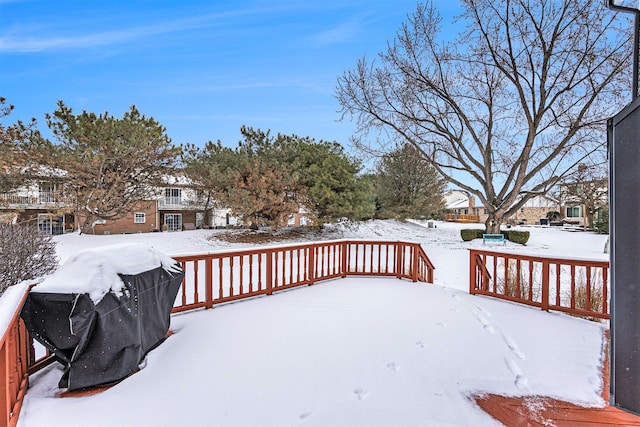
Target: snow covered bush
(25,254)
(468,234)
(517,236)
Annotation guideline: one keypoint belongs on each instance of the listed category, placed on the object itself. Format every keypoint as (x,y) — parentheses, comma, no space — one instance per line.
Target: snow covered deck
(355,351)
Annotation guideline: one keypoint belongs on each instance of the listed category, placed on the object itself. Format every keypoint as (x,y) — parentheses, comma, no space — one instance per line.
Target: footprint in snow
(484,322)
(482,309)
(361,393)
(513,347)
(441,324)
(393,366)
(521,381)
(305,415)
(421,344)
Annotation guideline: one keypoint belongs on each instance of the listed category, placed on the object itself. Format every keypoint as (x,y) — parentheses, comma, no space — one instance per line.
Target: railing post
(269,272)
(472,272)
(208,279)
(311,268)
(344,247)
(545,285)
(399,261)
(414,262)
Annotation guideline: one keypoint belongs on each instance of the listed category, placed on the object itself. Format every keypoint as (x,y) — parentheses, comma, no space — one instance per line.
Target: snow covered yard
(349,352)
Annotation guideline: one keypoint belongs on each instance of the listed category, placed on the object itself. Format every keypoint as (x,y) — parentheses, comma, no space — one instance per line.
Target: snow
(347,352)
(95,271)
(9,301)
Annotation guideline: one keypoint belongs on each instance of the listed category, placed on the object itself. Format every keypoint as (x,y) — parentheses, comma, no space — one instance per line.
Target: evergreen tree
(17,157)
(334,189)
(111,164)
(210,169)
(408,186)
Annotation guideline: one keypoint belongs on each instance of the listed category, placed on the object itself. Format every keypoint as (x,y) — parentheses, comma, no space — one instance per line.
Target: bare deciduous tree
(25,254)
(507,109)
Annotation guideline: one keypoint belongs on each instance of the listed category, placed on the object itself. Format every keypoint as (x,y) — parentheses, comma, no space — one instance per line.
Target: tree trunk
(493,223)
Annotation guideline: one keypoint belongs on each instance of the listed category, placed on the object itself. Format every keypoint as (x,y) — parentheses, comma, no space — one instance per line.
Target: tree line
(109,164)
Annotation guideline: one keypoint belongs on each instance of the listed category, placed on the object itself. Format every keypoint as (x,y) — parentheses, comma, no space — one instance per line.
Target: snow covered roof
(179,179)
(456,199)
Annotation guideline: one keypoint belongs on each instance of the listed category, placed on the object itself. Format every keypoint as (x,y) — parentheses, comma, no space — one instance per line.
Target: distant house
(583,202)
(42,201)
(533,212)
(460,207)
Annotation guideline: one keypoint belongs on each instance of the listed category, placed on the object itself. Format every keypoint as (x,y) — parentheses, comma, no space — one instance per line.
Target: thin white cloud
(40,43)
(341,33)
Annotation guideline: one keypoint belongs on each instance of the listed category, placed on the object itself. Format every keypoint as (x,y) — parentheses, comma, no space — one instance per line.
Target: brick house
(461,207)
(176,207)
(533,212)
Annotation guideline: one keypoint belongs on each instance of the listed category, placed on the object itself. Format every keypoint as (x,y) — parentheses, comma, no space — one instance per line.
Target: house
(176,206)
(460,207)
(42,201)
(534,211)
(583,202)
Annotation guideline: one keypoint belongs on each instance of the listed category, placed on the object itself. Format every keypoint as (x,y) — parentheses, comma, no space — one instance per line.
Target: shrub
(468,234)
(517,236)
(602,224)
(25,254)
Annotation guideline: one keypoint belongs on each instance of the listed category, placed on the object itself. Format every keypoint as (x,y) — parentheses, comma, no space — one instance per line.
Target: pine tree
(408,186)
(111,164)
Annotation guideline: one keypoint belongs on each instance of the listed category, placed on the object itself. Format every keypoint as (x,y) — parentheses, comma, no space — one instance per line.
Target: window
(574,212)
(46,192)
(139,218)
(486,211)
(50,224)
(173,222)
(173,196)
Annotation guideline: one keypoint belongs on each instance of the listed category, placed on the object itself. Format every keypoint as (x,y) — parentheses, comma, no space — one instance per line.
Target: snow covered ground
(349,352)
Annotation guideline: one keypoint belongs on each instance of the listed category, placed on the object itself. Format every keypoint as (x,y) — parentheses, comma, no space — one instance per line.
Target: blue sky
(202,68)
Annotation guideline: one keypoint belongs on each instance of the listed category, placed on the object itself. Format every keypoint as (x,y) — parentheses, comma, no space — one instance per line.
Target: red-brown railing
(221,277)
(228,276)
(16,356)
(462,218)
(579,287)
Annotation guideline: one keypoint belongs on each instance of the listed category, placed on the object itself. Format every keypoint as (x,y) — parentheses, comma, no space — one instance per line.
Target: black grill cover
(105,342)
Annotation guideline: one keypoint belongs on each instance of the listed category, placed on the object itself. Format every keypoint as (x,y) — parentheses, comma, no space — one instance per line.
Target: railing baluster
(530,280)
(251,257)
(588,285)
(558,282)
(573,286)
(196,296)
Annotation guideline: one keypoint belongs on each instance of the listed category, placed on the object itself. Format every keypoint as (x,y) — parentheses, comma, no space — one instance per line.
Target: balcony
(179,203)
(43,200)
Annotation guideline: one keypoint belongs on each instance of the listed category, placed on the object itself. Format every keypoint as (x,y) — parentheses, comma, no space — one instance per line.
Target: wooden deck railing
(579,287)
(221,277)
(462,218)
(16,356)
(216,278)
